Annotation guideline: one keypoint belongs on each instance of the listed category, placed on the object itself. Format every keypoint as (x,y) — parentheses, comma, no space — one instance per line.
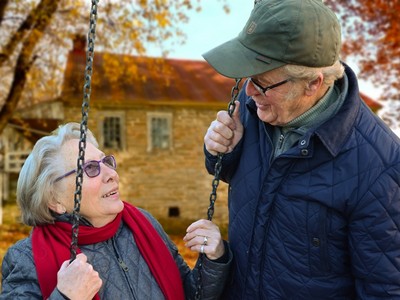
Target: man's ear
(314,85)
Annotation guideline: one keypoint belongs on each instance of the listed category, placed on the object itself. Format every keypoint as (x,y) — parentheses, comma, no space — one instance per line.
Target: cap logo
(251,28)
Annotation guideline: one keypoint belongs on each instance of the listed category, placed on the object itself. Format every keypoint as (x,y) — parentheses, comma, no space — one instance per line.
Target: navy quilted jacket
(320,221)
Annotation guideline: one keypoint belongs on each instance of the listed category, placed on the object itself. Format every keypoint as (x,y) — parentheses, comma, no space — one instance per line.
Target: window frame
(100,127)
(159,115)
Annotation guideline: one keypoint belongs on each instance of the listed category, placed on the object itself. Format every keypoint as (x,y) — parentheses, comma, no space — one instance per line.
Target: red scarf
(50,245)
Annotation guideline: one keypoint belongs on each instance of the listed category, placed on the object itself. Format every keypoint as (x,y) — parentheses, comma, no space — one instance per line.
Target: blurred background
(153,96)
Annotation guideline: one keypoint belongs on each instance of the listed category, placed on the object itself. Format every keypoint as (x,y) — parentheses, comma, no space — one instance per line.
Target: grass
(12,230)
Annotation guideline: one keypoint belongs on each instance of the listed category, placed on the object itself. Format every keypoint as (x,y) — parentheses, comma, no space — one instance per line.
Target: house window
(160,132)
(111,128)
(112,132)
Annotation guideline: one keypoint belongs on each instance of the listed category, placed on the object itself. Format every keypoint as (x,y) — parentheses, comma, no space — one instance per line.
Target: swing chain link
(218,165)
(83,128)
(215,182)
(82,146)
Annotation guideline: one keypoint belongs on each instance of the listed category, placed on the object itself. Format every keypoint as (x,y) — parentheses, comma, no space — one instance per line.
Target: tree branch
(3,5)
(24,62)
(25,26)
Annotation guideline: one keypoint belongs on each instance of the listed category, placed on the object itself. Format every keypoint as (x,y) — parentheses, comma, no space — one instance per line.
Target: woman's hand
(78,279)
(204,236)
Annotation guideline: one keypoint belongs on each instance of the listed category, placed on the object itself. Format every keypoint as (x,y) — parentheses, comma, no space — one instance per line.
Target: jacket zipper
(123,266)
(121,263)
(281,138)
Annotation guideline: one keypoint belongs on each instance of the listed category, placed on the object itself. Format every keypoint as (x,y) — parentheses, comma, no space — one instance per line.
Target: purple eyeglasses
(92,168)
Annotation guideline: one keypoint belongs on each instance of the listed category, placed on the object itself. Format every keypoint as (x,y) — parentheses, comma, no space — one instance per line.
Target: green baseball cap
(280,32)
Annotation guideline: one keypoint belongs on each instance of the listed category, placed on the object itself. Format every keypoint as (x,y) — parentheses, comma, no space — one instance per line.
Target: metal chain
(213,195)
(218,165)
(83,127)
(82,145)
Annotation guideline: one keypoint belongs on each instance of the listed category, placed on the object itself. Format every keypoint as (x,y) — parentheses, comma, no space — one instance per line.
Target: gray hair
(35,188)
(307,74)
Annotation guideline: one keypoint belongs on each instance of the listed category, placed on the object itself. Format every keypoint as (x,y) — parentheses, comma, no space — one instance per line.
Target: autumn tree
(371,30)
(36,35)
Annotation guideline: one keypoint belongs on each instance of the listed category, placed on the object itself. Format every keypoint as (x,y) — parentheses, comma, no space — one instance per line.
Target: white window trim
(150,116)
(110,114)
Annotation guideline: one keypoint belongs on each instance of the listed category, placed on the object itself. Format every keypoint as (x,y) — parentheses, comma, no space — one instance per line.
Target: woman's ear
(57,207)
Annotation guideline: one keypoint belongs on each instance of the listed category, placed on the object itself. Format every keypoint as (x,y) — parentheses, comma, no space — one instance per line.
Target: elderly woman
(123,252)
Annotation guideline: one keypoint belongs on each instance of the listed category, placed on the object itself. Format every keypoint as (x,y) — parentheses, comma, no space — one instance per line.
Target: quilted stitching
(325,227)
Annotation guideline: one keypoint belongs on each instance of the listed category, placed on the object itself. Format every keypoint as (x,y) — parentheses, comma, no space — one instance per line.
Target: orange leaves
(371,30)
(43,29)
(162,19)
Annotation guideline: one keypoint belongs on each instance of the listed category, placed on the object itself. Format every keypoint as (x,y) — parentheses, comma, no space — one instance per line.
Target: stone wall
(164,180)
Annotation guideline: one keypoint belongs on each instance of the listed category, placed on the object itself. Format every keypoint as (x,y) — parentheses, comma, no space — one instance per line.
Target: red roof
(133,79)
(127,80)
(371,103)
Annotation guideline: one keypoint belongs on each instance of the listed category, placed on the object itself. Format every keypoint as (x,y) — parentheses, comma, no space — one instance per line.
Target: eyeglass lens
(92,168)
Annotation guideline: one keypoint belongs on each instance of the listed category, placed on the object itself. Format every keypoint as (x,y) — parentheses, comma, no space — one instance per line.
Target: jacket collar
(334,132)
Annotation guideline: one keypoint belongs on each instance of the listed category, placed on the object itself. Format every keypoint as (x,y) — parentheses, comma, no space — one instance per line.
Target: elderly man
(314,198)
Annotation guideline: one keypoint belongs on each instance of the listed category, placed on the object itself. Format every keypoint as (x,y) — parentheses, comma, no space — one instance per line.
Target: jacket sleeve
(375,238)
(229,160)
(19,274)
(214,274)
(214,277)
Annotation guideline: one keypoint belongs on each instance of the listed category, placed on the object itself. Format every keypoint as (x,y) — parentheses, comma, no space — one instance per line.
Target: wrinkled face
(279,105)
(100,201)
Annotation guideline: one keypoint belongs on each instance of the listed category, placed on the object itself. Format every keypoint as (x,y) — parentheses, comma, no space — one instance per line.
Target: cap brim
(232,59)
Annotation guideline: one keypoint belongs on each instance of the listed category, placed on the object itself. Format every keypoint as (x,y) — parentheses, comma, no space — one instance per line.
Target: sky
(213,26)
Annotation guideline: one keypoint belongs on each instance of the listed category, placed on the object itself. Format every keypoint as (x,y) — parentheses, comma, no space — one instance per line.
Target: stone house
(152,114)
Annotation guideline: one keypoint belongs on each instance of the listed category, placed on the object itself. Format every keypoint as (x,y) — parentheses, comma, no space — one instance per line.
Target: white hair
(305,75)
(35,188)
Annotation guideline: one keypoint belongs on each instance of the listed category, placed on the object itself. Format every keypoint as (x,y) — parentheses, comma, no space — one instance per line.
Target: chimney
(79,44)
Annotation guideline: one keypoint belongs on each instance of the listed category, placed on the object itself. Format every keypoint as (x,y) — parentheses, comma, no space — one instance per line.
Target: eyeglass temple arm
(65,175)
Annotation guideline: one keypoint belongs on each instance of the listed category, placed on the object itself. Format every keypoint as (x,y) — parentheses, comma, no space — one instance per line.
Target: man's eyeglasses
(262,89)
(92,168)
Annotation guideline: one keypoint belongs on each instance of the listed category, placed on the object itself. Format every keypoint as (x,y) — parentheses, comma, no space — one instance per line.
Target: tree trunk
(3,5)
(29,23)
(25,59)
